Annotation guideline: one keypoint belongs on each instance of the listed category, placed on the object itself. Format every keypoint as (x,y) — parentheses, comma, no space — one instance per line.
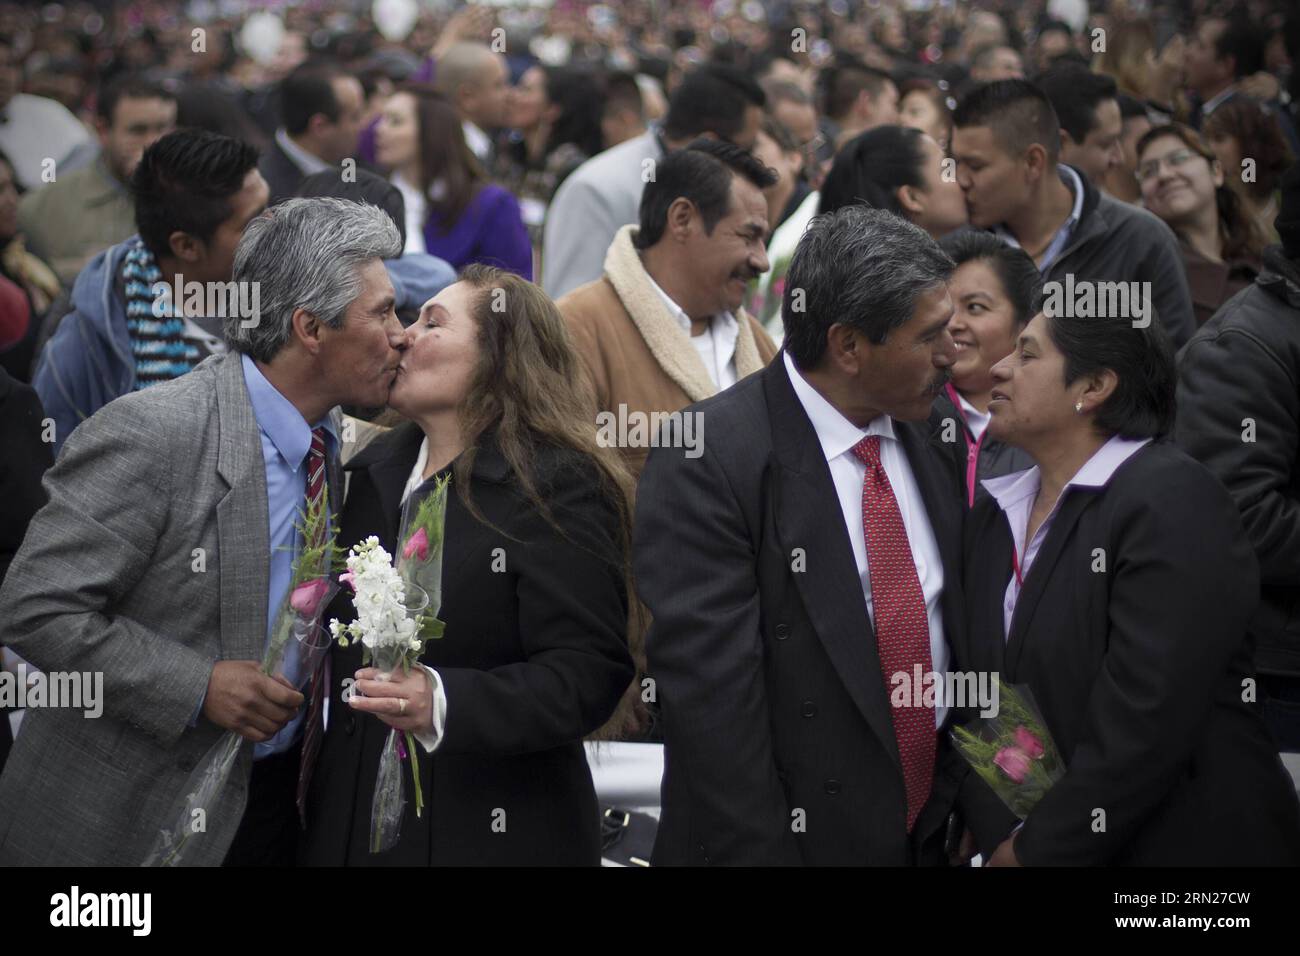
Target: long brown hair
(530,388)
(444,155)
(1242,238)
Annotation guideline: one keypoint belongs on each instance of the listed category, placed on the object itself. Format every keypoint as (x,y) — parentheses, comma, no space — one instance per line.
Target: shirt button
(832,786)
(782,631)
(809,709)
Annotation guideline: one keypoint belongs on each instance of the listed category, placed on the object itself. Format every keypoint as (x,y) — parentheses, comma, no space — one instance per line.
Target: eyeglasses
(1179,157)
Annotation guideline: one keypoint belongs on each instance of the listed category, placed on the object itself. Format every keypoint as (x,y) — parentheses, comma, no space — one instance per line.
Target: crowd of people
(773,350)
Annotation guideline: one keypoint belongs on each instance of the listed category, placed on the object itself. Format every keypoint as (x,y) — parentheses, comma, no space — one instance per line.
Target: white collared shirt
(416,208)
(1214,102)
(838,436)
(976,421)
(716,345)
(479,143)
(309,163)
(1015,495)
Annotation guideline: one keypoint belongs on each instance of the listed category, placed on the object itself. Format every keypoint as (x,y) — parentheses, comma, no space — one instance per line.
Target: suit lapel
(808,516)
(243,529)
(944,510)
(1035,582)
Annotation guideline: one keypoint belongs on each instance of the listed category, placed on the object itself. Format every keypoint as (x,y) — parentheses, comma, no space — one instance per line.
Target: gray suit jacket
(108,579)
(591,205)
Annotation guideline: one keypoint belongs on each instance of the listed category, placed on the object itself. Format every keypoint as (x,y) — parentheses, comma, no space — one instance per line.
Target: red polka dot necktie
(314,726)
(902,628)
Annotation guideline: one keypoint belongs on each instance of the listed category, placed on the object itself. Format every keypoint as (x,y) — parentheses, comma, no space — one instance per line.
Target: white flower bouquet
(393,624)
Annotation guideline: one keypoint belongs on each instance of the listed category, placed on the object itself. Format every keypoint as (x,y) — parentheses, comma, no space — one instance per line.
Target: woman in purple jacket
(452,211)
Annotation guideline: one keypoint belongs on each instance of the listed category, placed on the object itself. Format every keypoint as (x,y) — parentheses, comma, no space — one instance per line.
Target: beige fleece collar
(667,341)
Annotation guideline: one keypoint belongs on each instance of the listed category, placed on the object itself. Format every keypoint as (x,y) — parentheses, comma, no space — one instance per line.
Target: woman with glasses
(1183,184)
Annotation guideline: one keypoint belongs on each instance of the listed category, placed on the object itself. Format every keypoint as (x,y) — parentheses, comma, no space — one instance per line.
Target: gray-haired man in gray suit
(164,551)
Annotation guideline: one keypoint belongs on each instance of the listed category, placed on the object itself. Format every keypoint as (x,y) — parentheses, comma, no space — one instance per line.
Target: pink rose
(350,579)
(1031,745)
(307,596)
(417,544)
(1014,762)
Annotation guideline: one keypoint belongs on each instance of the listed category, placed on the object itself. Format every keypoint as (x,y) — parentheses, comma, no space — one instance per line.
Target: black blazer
(281,173)
(762,651)
(533,659)
(1139,670)
(22,466)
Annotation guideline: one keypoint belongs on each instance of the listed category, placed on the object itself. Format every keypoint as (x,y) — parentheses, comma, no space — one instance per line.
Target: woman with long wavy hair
(535,590)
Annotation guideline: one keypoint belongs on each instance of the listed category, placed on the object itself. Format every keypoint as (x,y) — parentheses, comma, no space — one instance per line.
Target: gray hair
(305,254)
(860,267)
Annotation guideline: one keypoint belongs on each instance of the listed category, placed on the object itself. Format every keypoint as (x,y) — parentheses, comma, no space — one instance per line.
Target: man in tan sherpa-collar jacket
(663,327)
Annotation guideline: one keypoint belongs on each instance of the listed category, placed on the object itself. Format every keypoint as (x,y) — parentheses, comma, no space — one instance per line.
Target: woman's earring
(1078,407)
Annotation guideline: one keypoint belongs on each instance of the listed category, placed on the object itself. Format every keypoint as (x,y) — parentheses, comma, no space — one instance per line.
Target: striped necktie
(314,728)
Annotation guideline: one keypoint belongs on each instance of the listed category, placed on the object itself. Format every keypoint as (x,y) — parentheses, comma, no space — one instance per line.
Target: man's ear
(846,348)
(681,214)
(865,104)
(1035,158)
(306,330)
(186,248)
(102,130)
(318,123)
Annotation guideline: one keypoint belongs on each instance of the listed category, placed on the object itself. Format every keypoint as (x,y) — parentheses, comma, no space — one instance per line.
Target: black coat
(533,659)
(1140,671)
(23,463)
(1241,374)
(281,173)
(762,651)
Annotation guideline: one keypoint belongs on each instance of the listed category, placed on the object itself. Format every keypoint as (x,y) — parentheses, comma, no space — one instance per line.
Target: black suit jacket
(533,659)
(22,466)
(762,651)
(281,173)
(1139,671)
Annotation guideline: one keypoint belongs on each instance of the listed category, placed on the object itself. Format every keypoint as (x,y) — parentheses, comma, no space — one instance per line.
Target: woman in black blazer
(1127,581)
(534,596)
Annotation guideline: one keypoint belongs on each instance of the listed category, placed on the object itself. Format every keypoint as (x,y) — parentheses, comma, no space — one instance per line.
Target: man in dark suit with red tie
(803,570)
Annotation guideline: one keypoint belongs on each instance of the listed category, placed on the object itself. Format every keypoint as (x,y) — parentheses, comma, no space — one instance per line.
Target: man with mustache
(664,326)
(803,572)
(166,549)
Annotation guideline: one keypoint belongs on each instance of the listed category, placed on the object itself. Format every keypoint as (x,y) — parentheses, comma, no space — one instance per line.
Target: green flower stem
(415,773)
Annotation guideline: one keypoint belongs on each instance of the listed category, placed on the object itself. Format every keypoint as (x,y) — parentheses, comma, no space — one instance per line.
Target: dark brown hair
(444,155)
(1259,137)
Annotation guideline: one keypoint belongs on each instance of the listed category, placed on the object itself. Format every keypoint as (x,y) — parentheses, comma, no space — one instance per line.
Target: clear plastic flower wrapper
(393,624)
(419,555)
(297,646)
(1012,751)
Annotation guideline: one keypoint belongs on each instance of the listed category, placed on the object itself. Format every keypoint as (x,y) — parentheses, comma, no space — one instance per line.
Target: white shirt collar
(1214,102)
(722,322)
(480,144)
(416,478)
(836,434)
(308,162)
(1096,472)
(976,421)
